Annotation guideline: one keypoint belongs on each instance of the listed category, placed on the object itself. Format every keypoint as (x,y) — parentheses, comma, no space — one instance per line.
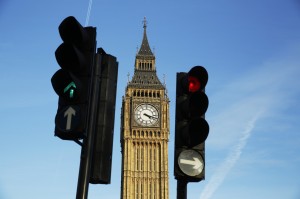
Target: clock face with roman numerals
(146,115)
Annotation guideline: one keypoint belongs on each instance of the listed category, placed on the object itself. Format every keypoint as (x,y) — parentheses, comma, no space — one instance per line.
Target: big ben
(145,130)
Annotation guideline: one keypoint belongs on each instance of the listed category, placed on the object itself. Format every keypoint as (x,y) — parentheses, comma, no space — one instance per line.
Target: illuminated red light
(194,84)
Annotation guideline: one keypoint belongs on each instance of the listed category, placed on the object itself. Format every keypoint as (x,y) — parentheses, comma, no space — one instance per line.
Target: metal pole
(84,169)
(88,142)
(181,189)
(87,148)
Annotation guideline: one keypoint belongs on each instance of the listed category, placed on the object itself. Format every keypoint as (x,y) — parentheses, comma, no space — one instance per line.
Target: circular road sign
(190,162)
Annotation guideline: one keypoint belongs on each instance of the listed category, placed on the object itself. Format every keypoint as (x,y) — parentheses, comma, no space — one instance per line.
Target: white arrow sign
(196,162)
(69,113)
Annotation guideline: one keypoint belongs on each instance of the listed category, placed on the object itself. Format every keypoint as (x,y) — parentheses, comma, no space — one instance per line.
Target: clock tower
(145,131)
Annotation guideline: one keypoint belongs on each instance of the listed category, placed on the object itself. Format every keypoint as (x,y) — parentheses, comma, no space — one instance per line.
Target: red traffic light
(197,78)
(194,84)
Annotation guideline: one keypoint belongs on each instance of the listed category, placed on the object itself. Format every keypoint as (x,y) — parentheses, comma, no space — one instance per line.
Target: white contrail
(87,19)
(219,176)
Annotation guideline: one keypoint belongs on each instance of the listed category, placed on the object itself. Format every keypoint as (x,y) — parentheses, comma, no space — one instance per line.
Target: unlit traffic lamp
(191,128)
(73,81)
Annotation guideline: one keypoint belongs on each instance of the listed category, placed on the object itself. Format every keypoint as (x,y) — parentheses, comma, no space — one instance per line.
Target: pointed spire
(145,48)
(145,23)
(145,70)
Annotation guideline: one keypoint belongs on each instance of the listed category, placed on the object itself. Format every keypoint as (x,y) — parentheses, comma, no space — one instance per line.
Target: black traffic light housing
(72,82)
(191,128)
(86,85)
(104,129)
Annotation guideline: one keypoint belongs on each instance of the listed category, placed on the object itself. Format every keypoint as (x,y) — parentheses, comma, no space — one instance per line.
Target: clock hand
(149,116)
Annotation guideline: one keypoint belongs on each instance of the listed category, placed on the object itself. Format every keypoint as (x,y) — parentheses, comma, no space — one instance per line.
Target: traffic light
(73,81)
(191,128)
(104,130)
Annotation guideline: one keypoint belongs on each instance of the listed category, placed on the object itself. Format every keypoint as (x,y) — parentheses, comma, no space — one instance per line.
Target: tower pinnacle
(145,23)
(145,48)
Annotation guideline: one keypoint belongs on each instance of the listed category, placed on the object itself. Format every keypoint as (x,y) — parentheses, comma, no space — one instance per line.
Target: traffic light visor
(70,58)
(71,31)
(65,86)
(198,104)
(197,78)
(198,131)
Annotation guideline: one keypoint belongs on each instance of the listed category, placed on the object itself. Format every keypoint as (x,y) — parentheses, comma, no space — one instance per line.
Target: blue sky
(251,50)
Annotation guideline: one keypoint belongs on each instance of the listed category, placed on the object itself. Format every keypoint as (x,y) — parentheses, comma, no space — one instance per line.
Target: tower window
(154,158)
(154,191)
(141,190)
(138,157)
(150,190)
(136,190)
(150,158)
(142,158)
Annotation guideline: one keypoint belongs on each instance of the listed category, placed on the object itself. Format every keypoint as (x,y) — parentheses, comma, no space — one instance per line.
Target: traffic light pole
(88,141)
(181,189)
(87,146)
(85,167)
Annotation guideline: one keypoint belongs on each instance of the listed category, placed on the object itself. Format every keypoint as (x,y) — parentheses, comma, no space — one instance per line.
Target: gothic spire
(145,48)
(145,71)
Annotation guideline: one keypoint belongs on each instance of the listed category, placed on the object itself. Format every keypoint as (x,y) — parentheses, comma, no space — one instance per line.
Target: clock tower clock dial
(146,115)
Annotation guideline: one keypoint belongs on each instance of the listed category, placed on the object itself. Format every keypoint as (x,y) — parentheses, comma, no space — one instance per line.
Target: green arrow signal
(72,86)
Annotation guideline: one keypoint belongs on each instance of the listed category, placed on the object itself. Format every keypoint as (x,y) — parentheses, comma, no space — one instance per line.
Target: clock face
(146,115)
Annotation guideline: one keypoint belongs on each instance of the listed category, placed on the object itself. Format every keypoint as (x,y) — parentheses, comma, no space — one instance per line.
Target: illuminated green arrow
(73,86)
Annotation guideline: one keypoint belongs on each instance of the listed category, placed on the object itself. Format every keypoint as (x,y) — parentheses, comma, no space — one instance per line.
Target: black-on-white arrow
(69,113)
(196,162)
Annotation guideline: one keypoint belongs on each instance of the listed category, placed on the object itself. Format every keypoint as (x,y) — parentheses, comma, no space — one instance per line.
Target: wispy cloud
(219,175)
(88,14)
(250,99)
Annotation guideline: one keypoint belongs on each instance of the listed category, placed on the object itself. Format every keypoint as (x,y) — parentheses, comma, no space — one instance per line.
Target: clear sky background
(251,50)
